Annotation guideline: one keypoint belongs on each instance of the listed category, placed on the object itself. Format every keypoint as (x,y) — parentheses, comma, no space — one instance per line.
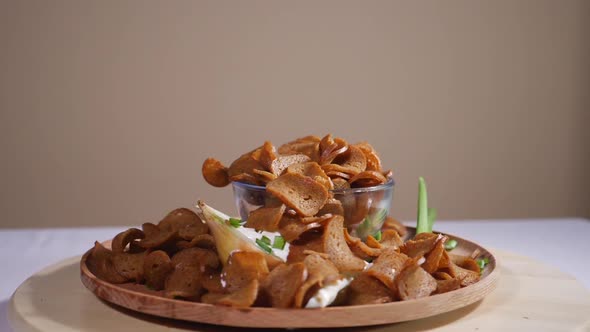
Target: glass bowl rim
(387,185)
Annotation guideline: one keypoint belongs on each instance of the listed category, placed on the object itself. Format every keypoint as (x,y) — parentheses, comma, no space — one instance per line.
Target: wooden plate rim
(344,316)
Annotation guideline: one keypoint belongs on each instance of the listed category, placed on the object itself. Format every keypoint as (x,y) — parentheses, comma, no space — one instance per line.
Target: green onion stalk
(426,215)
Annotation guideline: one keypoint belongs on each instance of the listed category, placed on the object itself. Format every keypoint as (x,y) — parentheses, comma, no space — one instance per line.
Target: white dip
(327,294)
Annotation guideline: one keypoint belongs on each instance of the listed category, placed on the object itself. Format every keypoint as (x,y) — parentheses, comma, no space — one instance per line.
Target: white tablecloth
(563,243)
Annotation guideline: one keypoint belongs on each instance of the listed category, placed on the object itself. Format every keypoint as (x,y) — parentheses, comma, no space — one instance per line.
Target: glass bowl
(365,209)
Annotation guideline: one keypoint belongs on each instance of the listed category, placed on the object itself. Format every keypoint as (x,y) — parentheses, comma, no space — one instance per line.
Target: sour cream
(327,294)
(252,234)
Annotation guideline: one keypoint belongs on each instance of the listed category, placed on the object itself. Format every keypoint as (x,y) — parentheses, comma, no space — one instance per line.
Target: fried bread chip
(365,289)
(100,263)
(432,260)
(373,242)
(320,271)
(268,154)
(121,240)
(205,241)
(291,228)
(443,286)
(353,159)
(283,282)
(336,170)
(264,176)
(156,238)
(244,164)
(466,277)
(215,173)
(414,282)
(192,267)
(308,146)
(334,244)
(332,206)
(266,218)
(360,248)
(314,171)
(331,148)
(242,297)
(367,179)
(181,218)
(465,262)
(191,231)
(373,160)
(387,267)
(198,257)
(340,183)
(298,250)
(391,238)
(440,275)
(281,163)
(420,245)
(134,247)
(392,223)
(240,277)
(316,219)
(338,175)
(243,267)
(299,192)
(211,281)
(184,282)
(157,266)
(130,265)
(247,178)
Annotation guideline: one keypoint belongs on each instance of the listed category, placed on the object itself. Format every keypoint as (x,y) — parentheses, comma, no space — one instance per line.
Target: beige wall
(108,108)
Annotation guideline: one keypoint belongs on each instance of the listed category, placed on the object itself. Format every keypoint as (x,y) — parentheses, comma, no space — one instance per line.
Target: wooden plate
(141,299)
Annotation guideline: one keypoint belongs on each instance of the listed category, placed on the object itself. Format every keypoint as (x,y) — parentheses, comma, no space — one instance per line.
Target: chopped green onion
(235,222)
(265,239)
(451,244)
(422,225)
(263,245)
(482,262)
(279,242)
(377,236)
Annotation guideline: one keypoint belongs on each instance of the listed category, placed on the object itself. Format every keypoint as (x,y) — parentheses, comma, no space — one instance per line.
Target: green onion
(235,222)
(451,244)
(263,245)
(371,223)
(265,240)
(279,242)
(431,218)
(422,224)
(482,262)
(377,236)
